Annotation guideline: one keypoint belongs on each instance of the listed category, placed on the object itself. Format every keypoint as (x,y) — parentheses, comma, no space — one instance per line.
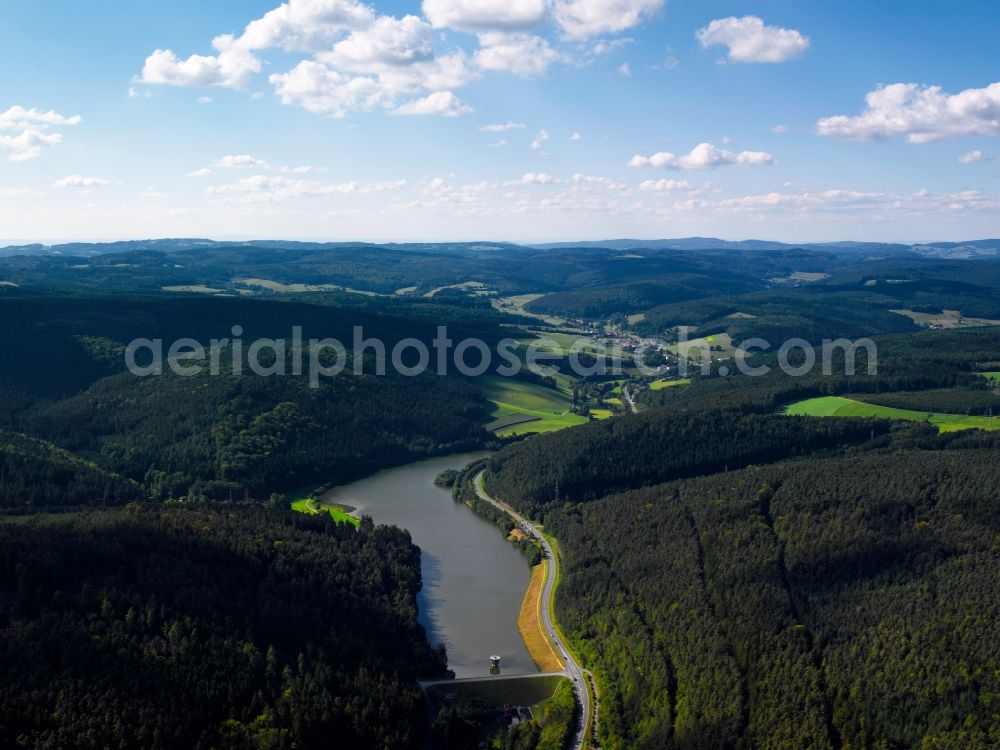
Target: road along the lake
(582,681)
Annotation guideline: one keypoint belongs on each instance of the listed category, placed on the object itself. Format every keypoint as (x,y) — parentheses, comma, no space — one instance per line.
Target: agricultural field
(945,319)
(310,506)
(993,377)
(522,407)
(659,385)
(515,306)
(720,345)
(836,406)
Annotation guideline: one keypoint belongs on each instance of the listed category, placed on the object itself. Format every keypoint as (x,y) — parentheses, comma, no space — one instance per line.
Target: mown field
(522,407)
(836,406)
(529,622)
(311,507)
(659,385)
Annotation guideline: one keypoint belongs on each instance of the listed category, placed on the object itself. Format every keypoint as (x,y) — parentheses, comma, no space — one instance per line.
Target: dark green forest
(741,579)
(230,627)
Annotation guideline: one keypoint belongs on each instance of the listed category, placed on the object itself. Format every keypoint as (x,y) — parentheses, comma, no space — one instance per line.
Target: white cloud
(703,156)
(32,131)
(76,181)
(920,113)
(781,129)
(624,70)
(523,55)
(604,46)
(535,178)
(576,136)
(238,161)
(580,19)
(499,144)
(323,91)
(665,186)
(486,15)
(972,157)
(502,127)
(19,118)
(750,41)
(201,172)
(540,139)
(387,41)
(357,60)
(439,104)
(306,25)
(205,100)
(266,188)
(593,180)
(232,67)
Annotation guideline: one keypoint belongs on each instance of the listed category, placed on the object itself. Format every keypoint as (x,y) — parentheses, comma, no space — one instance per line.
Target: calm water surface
(473,579)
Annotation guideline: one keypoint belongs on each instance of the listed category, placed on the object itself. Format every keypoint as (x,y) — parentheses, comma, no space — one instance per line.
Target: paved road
(573,670)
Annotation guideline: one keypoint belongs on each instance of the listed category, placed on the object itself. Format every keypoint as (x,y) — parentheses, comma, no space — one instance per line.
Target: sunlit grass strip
(529,623)
(311,506)
(836,406)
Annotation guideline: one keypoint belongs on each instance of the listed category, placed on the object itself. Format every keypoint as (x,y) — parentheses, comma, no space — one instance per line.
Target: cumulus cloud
(576,136)
(387,41)
(232,67)
(440,104)
(18,118)
(972,157)
(357,60)
(920,114)
(540,139)
(306,25)
(523,55)
(580,19)
(703,156)
(486,15)
(596,181)
(750,41)
(238,161)
(665,186)
(76,181)
(204,172)
(324,91)
(535,178)
(624,70)
(502,127)
(31,131)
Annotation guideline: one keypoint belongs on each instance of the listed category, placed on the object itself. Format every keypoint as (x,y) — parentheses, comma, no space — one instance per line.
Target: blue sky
(335,119)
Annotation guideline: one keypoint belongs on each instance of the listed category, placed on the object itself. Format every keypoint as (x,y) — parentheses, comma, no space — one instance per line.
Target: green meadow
(836,406)
(659,385)
(312,507)
(522,407)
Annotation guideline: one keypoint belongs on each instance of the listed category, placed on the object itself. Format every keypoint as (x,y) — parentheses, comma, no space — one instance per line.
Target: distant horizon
(18,242)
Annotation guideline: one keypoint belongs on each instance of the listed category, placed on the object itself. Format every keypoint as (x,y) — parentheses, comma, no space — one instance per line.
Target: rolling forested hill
(742,579)
(180,627)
